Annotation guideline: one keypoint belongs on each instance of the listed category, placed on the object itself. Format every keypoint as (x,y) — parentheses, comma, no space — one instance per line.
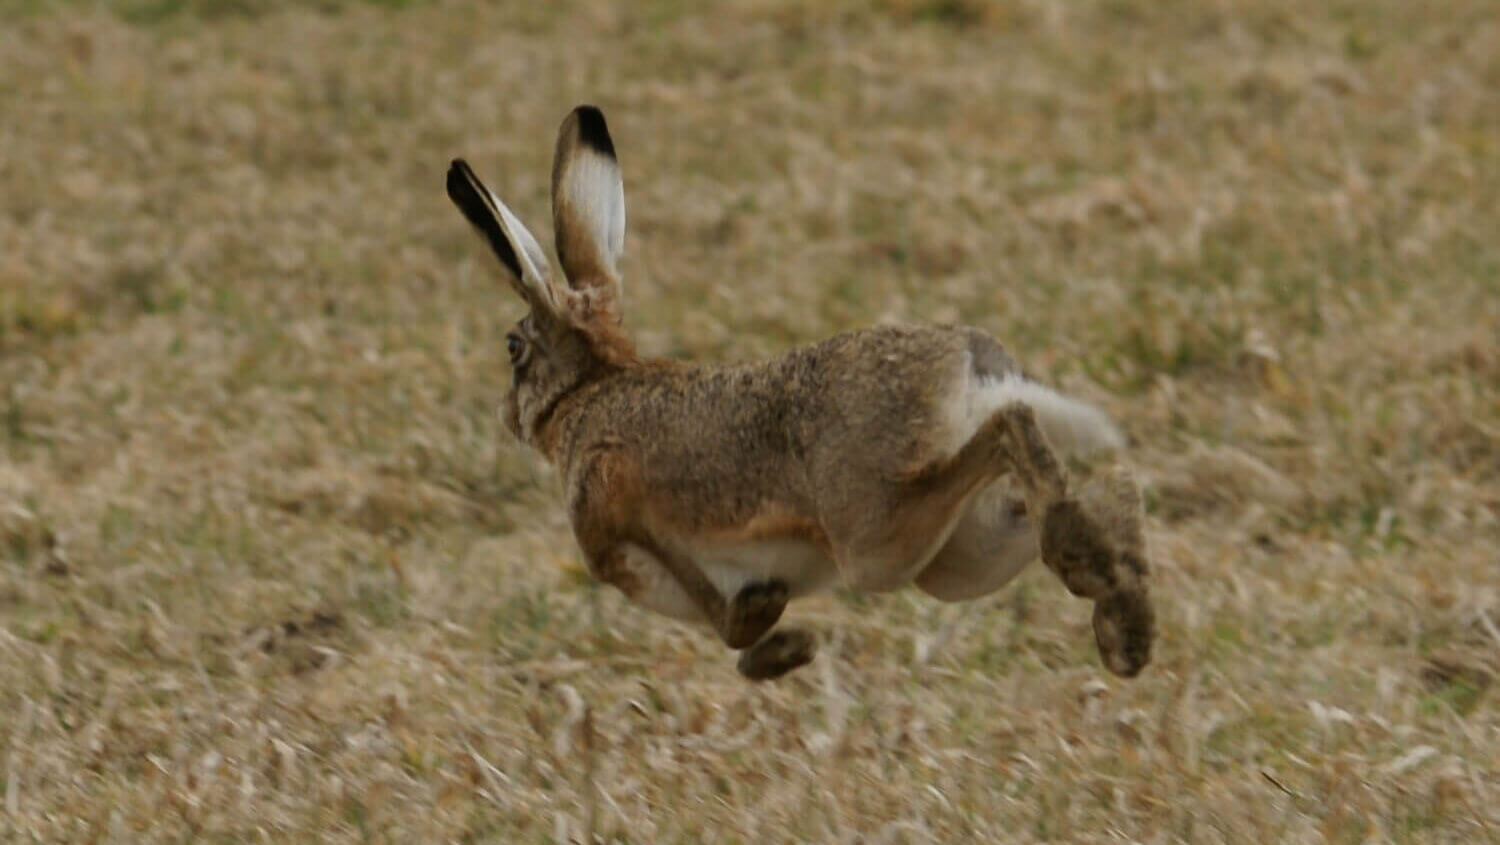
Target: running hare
(878,458)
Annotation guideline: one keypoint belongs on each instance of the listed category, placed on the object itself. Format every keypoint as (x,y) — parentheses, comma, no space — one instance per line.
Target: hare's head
(572,333)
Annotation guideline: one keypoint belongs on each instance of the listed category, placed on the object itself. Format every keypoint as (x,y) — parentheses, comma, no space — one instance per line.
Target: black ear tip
(469,194)
(461,180)
(456,181)
(593,131)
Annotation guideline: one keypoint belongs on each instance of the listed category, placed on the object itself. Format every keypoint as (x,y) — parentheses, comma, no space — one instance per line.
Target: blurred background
(270,568)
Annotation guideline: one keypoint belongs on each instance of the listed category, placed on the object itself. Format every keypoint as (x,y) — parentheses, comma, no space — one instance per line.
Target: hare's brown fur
(717,493)
(722,447)
(737,454)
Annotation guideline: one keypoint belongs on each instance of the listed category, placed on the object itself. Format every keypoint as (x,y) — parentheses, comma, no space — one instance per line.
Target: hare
(877,458)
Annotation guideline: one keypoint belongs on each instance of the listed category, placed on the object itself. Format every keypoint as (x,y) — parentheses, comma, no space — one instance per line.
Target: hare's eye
(515,345)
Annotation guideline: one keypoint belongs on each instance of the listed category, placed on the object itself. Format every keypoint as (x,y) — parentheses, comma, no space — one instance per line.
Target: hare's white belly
(803,567)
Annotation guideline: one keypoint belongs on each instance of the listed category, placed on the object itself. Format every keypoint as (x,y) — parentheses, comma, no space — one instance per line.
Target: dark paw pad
(778,654)
(1124,626)
(755,610)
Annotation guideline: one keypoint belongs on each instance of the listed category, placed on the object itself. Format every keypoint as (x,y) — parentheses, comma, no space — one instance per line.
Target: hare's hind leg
(886,531)
(1092,541)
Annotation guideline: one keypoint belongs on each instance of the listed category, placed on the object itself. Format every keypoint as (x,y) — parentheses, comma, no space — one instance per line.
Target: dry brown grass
(269,569)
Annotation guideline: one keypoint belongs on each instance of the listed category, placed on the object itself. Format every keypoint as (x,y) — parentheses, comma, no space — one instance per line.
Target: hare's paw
(1094,540)
(754,611)
(778,654)
(1078,549)
(1124,626)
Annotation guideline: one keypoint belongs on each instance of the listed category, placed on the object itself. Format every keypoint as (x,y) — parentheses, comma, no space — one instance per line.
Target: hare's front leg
(777,654)
(606,510)
(744,622)
(740,621)
(660,580)
(753,612)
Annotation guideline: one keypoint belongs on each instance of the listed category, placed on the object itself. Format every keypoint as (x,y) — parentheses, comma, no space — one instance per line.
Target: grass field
(270,569)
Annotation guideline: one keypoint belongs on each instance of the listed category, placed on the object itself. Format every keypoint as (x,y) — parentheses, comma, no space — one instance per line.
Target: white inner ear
(593,188)
(528,252)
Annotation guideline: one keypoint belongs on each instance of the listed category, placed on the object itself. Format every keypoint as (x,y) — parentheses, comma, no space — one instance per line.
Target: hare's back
(720,446)
(897,396)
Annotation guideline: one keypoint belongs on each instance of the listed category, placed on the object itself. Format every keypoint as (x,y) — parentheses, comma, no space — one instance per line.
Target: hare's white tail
(1072,427)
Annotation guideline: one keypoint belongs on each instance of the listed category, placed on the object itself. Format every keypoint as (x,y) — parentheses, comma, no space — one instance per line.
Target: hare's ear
(520,256)
(588,202)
